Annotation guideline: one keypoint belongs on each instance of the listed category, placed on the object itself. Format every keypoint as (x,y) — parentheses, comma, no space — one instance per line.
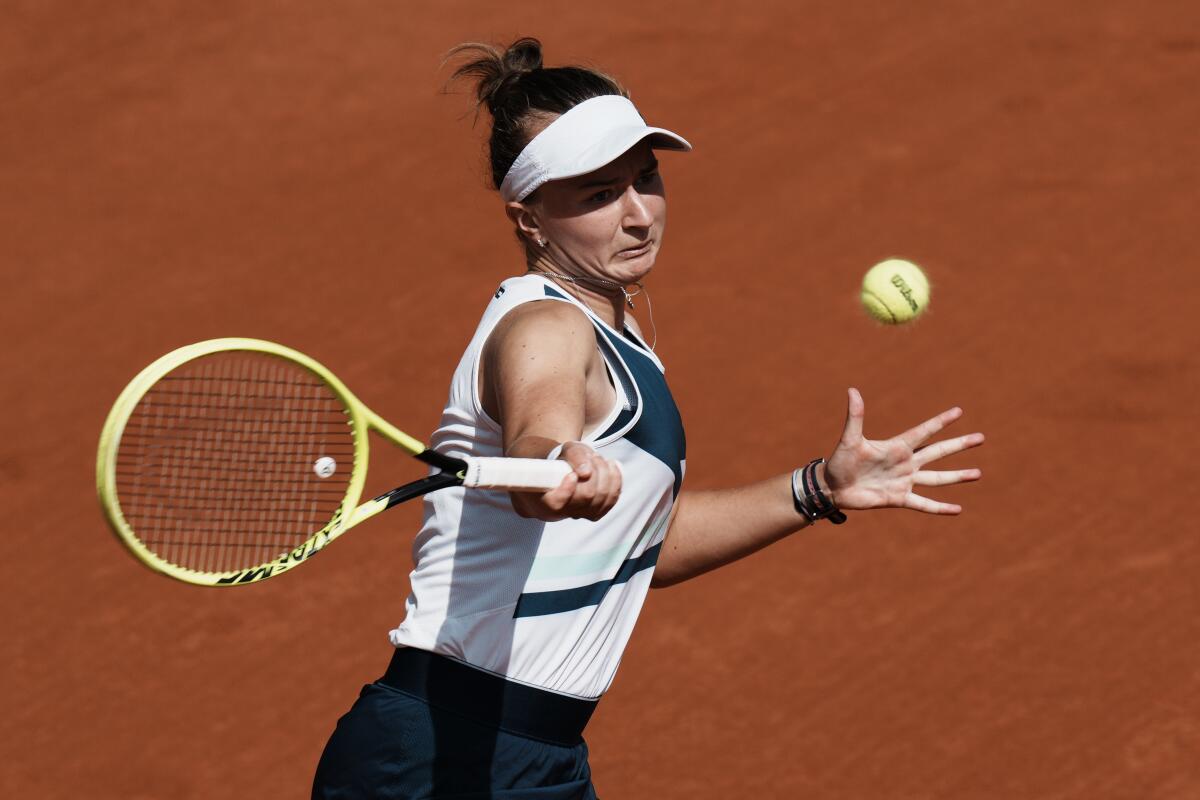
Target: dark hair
(517,90)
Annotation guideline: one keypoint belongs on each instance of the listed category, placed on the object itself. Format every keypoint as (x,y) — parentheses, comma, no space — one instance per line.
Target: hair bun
(497,71)
(518,90)
(523,55)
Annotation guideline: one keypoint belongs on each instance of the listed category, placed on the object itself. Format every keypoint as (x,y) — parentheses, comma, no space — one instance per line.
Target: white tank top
(550,604)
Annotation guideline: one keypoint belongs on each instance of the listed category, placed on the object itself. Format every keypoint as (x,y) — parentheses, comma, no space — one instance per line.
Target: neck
(606,298)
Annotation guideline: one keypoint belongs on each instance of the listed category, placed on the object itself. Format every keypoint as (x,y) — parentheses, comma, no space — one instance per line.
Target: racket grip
(515,474)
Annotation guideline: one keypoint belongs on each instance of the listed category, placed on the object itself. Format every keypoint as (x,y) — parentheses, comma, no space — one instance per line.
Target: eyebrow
(601,184)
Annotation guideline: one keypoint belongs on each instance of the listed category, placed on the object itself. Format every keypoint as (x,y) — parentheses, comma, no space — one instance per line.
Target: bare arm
(537,372)
(713,528)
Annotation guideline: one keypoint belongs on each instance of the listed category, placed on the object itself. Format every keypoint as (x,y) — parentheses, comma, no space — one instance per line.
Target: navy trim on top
(537,604)
(626,416)
(656,428)
(659,429)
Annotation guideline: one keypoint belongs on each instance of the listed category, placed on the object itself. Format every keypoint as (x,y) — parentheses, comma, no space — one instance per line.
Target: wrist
(823,484)
(534,446)
(812,496)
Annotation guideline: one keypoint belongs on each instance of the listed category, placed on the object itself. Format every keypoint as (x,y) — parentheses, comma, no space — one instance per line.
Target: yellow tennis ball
(895,291)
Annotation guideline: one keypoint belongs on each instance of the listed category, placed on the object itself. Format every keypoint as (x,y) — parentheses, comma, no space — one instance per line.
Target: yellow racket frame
(360,419)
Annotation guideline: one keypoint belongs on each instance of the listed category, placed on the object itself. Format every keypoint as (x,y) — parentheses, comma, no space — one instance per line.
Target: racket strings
(215,468)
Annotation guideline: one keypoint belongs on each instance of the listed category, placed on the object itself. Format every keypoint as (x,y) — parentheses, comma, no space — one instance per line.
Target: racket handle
(515,474)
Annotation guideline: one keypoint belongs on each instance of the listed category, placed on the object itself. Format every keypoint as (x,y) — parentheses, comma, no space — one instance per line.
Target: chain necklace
(602,281)
(611,285)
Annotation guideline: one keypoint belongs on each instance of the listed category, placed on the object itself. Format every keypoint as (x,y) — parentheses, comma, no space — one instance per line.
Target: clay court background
(291,171)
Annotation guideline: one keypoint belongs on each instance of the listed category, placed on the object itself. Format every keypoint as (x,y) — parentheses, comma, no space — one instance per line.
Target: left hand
(864,474)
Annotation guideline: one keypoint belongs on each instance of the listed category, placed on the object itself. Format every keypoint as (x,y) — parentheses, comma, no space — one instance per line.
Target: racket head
(207,469)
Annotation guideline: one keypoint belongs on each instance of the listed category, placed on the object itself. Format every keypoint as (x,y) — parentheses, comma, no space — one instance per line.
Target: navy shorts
(435,728)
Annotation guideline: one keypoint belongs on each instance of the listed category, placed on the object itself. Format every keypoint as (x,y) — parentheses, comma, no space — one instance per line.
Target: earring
(542,242)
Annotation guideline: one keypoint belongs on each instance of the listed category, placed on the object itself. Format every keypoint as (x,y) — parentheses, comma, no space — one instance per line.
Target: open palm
(864,473)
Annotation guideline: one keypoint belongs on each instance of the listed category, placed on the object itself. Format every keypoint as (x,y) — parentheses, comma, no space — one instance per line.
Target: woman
(522,604)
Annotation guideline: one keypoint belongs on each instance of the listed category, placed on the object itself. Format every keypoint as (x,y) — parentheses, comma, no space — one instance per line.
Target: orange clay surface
(174,172)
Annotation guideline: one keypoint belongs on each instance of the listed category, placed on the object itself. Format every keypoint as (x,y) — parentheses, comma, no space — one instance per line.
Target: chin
(632,270)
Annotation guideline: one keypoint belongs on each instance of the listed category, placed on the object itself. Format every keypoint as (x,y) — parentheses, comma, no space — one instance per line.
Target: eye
(647,178)
(602,196)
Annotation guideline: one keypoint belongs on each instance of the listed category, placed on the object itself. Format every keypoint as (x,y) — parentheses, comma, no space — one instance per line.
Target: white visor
(584,139)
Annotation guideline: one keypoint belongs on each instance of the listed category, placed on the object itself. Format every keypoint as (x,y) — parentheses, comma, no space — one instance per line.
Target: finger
(855,411)
(918,503)
(549,505)
(607,483)
(917,435)
(604,473)
(560,495)
(587,500)
(594,496)
(595,484)
(579,456)
(946,448)
(946,477)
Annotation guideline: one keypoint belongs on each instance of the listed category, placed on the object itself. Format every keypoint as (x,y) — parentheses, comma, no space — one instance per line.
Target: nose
(636,212)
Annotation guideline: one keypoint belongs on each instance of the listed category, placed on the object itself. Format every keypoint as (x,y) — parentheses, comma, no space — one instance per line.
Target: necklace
(601,281)
(611,285)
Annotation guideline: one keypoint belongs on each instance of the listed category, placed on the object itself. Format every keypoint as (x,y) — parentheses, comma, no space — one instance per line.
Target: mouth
(636,251)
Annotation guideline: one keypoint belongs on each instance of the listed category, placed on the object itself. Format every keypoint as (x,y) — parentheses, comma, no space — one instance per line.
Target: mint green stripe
(604,561)
(577,563)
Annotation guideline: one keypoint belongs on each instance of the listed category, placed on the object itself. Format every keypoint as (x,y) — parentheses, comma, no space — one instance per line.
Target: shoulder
(543,347)
(546,319)
(540,354)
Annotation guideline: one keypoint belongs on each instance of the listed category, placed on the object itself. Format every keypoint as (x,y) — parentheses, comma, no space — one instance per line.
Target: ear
(526,220)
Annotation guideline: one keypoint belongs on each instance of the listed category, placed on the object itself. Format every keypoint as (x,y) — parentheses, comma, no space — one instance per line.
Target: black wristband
(811,489)
(825,509)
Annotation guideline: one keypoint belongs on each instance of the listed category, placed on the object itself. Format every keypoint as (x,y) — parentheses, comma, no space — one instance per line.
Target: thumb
(855,411)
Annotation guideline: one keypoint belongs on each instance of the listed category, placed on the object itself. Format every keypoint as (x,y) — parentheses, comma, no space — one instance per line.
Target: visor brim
(616,144)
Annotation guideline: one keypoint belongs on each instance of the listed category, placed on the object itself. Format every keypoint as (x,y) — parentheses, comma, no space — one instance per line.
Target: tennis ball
(895,291)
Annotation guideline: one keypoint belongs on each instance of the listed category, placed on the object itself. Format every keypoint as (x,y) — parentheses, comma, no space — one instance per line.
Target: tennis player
(522,604)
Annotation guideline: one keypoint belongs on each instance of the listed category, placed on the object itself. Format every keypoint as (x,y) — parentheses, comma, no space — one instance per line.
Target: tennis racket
(230,461)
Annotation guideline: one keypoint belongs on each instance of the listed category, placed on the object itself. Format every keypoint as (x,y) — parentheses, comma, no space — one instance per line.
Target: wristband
(798,497)
(809,498)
